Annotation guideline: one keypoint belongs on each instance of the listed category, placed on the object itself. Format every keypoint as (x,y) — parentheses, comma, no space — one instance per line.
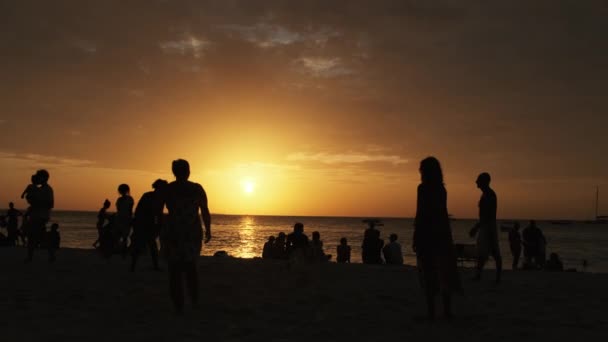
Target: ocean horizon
(244,235)
(452,217)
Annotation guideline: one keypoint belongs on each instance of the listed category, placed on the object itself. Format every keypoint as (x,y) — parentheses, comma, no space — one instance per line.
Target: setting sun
(248,186)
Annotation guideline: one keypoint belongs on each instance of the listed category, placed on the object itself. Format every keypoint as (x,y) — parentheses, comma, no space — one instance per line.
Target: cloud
(32,161)
(144,68)
(136,92)
(557,180)
(189,45)
(322,36)
(323,67)
(269,169)
(346,158)
(190,68)
(266,166)
(264,35)
(269,35)
(86,46)
(39,160)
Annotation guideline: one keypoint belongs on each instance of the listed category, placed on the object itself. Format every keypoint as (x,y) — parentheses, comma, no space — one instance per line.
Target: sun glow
(248,186)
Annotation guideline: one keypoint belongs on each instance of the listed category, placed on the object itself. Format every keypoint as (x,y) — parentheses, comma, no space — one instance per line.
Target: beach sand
(84,298)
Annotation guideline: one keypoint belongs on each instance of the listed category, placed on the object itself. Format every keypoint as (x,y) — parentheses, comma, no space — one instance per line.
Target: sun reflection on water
(247,247)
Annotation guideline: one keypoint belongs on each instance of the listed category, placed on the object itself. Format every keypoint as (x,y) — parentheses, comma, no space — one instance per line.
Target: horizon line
(355,216)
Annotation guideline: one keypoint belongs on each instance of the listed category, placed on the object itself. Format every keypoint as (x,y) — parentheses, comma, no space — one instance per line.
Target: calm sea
(244,236)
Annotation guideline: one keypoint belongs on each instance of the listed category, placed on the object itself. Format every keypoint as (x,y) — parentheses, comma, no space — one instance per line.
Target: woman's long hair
(430,170)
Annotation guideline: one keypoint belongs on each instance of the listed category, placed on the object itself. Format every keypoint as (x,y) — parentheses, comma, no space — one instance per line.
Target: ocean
(244,236)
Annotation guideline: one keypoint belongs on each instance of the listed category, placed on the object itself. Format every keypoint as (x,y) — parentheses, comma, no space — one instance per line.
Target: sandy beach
(82,297)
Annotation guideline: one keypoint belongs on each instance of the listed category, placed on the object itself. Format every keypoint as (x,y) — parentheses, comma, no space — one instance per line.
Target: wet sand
(82,297)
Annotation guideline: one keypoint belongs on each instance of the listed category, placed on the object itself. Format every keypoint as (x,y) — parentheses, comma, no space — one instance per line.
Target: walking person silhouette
(486,228)
(181,242)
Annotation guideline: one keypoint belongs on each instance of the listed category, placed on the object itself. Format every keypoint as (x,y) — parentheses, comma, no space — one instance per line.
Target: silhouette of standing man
(41,203)
(486,230)
(182,239)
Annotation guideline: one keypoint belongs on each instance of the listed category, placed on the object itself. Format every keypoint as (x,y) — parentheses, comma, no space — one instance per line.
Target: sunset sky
(309,107)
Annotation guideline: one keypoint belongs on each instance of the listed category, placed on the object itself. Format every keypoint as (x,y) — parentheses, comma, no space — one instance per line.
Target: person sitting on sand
(343,251)
(554,263)
(278,248)
(297,244)
(53,241)
(102,216)
(124,217)
(393,254)
(181,241)
(147,222)
(371,249)
(515,244)
(432,240)
(316,248)
(268,247)
(486,228)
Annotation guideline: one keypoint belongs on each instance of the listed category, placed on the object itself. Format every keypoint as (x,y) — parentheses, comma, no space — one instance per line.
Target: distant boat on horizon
(561,222)
(599,219)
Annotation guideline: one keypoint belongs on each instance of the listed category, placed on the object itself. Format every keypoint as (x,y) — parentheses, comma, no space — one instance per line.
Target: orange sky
(325,107)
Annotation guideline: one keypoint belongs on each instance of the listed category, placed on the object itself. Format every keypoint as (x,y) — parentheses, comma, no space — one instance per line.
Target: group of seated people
(297,245)
(373,248)
(534,246)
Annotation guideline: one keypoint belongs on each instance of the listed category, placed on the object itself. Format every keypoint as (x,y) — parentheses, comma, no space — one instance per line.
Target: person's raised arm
(206,215)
